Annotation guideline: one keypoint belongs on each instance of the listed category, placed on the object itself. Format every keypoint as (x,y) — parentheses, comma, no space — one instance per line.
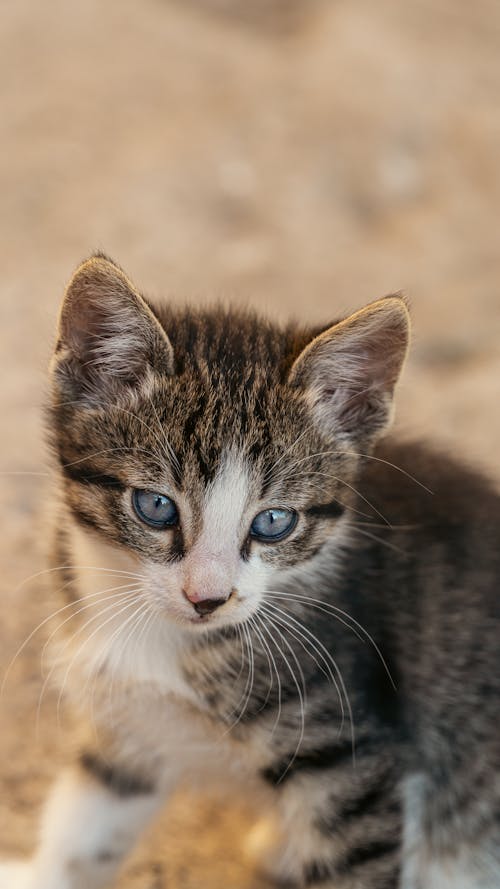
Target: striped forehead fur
(228,392)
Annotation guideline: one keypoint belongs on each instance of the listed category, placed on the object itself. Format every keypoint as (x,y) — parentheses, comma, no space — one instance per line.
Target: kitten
(259,591)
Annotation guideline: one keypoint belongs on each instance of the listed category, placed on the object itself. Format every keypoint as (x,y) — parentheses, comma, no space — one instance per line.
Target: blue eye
(273,524)
(155,509)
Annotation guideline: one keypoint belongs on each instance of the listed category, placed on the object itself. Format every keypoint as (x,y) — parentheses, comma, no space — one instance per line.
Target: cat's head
(211,448)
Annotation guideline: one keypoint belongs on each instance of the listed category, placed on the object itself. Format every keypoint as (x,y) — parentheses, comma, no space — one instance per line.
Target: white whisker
(265,647)
(300,691)
(132,622)
(278,678)
(287,451)
(105,650)
(324,606)
(380,540)
(98,598)
(249,683)
(43,623)
(87,641)
(300,631)
(116,571)
(117,600)
(14,472)
(394,466)
(335,611)
(121,448)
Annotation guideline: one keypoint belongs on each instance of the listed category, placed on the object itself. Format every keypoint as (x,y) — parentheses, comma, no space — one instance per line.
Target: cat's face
(213,450)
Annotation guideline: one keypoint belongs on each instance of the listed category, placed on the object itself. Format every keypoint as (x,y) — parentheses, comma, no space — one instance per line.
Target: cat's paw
(15,875)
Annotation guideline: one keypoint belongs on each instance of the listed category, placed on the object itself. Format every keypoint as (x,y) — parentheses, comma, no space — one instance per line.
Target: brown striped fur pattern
(350,673)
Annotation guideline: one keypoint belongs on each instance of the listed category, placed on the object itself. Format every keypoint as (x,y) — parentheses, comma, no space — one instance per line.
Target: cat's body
(346,668)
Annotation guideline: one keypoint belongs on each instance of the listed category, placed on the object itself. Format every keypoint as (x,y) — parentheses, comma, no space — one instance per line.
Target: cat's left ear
(349,372)
(108,337)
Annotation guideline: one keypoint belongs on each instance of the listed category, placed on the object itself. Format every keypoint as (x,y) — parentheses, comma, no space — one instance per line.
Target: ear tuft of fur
(108,336)
(349,372)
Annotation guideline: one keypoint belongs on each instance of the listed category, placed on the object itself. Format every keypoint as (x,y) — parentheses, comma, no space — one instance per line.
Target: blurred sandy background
(302,156)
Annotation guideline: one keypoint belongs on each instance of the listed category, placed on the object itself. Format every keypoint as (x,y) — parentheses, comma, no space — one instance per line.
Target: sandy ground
(302,157)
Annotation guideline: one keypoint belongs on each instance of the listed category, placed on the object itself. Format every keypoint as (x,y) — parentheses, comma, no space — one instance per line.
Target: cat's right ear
(349,372)
(108,337)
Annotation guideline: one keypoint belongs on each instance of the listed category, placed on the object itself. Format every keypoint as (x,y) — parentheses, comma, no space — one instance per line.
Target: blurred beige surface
(303,157)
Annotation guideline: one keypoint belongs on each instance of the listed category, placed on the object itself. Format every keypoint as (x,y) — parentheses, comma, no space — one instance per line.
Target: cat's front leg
(93,817)
(340,823)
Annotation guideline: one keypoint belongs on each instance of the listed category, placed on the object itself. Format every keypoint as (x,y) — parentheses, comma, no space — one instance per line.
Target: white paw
(15,875)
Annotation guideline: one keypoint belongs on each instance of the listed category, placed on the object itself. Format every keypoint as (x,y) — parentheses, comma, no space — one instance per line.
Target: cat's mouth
(200,618)
(205,622)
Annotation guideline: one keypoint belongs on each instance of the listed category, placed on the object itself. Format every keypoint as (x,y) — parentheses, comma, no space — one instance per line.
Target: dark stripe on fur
(313,760)
(331,510)
(90,476)
(117,780)
(178,549)
(318,872)
(378,799)
(369,853)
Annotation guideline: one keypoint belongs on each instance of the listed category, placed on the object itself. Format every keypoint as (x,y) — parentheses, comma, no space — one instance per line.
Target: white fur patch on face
(212,564)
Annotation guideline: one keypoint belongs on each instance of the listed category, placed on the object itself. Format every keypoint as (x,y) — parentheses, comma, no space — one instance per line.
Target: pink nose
(202,605)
